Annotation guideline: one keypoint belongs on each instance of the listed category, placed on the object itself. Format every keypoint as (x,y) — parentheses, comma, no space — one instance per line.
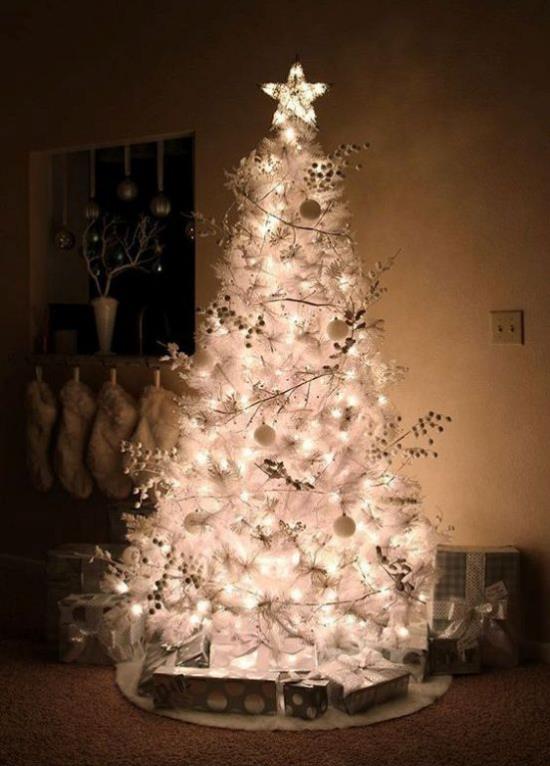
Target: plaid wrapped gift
(476,599)
(213,690)
(96,629)
(192,653)
(72,568)
(304,697)
(355,690)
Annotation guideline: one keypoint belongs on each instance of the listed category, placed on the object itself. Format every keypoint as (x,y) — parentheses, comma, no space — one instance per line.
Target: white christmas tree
(283,513)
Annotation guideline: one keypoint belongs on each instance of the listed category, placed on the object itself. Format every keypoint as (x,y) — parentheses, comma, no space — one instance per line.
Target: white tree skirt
(420,695)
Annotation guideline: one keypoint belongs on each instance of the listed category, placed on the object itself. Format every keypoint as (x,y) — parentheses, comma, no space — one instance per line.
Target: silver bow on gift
(354,672)
(469,620)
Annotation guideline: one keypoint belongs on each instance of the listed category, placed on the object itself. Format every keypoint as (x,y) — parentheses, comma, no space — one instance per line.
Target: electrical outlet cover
(507,326)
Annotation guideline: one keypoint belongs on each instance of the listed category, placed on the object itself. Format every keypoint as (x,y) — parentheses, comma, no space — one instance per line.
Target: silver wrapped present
(356,689)
(191,653)
(97,629)
(214,690)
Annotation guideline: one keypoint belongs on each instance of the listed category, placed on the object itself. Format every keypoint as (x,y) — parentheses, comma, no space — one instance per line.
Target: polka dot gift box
(306,698)
(214,690)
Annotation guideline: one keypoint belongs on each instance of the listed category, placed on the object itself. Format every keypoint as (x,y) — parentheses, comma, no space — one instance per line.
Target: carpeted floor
(66,715)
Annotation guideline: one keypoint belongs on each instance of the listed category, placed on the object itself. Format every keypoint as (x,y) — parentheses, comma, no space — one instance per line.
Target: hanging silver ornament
(64,239)
(160,206)
(92,210)
(310,209)
(127,189)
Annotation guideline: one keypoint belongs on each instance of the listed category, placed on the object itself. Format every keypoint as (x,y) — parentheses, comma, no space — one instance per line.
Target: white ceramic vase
(105,315)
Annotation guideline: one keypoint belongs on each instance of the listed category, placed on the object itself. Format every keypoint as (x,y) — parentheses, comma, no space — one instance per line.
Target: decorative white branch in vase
(110,246)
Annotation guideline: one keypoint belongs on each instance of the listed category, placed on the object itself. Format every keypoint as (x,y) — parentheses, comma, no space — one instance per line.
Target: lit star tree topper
(295,96)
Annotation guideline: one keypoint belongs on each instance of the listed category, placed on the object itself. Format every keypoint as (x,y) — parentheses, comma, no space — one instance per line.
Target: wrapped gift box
(192,653)
(305,698)
(477,598)
(213,690)
(97,629)
(412,652)
(72,568)
(447,658)
(248,652)
(358,690)
(416,661)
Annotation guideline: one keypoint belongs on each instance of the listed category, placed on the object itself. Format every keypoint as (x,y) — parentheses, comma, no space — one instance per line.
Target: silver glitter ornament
(127,190)
(64,239)
(160,206)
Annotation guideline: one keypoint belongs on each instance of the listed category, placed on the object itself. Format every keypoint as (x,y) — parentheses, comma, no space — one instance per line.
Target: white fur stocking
(78,403)
(115,422)
(41,415)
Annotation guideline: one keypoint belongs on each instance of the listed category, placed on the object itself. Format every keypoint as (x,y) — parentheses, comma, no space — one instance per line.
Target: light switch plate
(507,326)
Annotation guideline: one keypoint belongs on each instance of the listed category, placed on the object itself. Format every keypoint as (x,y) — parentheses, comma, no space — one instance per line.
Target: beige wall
(453,98)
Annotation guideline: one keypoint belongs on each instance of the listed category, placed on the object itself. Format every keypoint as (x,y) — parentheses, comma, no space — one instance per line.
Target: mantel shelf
(97,360)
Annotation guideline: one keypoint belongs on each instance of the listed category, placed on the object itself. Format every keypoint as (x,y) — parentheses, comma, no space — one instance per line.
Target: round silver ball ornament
(160,206)
(265,435)
(310,209)
(344,526)
(127,190)
(64,239)
(337,329)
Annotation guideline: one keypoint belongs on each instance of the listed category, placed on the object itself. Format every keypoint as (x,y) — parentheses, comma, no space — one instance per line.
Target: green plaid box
(477,598)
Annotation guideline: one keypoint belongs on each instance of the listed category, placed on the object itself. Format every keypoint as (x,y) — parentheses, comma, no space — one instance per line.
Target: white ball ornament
(344,526)
(265,435)
(310,209)
(337,329)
